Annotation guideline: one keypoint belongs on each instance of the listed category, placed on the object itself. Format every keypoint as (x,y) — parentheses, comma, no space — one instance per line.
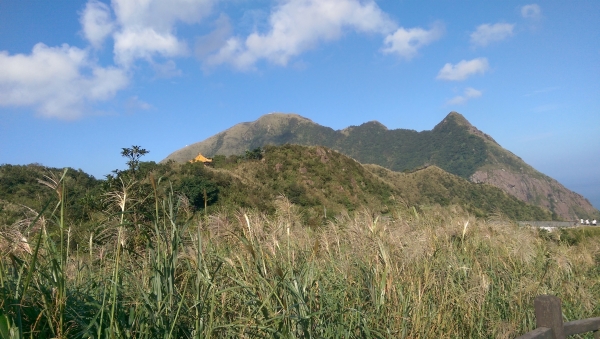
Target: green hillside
(146,265)
(296,241)
(449,146)
(453,145)
(433,186)
(26,187)
(323,183)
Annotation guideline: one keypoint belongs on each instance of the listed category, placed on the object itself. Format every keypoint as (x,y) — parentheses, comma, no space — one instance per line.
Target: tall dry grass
(409,274)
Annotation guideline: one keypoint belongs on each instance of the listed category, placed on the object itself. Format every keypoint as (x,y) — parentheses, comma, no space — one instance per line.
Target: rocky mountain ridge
(454,145)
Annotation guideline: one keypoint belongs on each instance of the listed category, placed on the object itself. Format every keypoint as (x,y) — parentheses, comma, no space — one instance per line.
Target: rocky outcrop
(538,190)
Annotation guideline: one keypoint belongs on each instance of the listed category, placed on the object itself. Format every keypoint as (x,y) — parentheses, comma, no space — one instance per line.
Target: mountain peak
(458,119)
(454,145)
(281,115)
(377,124)
(278,118)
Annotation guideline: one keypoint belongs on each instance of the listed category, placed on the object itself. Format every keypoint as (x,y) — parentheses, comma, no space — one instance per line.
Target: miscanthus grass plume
(436,272)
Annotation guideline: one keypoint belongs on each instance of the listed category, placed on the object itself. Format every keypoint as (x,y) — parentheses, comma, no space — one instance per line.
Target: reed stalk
(433,273)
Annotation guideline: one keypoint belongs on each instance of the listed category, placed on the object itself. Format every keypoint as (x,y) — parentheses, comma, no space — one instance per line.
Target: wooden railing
(549,321)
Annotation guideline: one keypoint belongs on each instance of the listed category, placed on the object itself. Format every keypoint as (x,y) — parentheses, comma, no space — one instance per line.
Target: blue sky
(79,80)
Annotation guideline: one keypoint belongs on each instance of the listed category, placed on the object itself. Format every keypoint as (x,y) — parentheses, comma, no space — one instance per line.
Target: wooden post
(548,313)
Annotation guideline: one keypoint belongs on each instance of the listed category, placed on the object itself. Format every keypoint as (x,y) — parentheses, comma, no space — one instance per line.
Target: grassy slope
(440,273)
(448,146)
(316,177)
(21,185)
(432,185)
(319,180)
(453,145)
(147,269)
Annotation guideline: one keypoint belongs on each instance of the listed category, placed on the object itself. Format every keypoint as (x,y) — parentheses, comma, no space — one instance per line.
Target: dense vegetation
(320,181)
(21,186)
(438,273)
(449,145)
(286,242)
(432,185)
(453,145)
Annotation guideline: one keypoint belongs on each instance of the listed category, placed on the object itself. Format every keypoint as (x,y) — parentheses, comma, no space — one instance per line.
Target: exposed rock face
(541,191)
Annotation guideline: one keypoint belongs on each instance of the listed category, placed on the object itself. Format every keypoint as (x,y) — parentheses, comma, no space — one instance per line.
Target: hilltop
(454,145)
(316,177)
(322,182)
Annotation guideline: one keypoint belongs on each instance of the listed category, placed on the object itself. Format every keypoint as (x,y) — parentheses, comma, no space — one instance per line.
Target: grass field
(433,273)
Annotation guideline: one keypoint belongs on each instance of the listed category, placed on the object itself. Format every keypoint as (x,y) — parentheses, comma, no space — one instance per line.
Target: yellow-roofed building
(202,159)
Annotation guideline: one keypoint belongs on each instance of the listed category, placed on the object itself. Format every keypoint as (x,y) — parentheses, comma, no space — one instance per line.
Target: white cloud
(213,41)
(96,22)
(146,29)
(470,93)
(406,42)
(144,43)
(463,69)
(486,33)
(160,15)
(299,25)
(143,29)
(59,82)
(63,82)
(532,11)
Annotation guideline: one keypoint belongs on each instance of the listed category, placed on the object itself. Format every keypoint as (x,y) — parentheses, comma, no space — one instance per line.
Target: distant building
(202,159)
